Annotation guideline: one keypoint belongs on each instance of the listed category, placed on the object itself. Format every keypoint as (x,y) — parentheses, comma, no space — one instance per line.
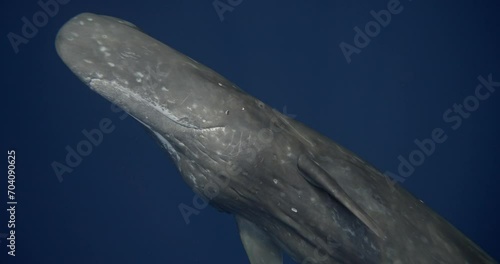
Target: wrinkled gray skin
(290,188)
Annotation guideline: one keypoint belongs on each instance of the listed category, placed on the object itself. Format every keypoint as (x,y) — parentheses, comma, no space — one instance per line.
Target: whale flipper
(318,177)
(258,245)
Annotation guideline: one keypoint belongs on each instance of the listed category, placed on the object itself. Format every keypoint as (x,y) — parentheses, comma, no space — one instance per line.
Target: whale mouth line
(194,127)
(101,85)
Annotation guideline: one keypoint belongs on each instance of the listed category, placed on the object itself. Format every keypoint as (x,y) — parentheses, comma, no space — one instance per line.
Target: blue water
(120,204)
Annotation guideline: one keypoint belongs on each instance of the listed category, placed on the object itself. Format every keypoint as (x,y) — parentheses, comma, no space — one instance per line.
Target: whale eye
(224,179)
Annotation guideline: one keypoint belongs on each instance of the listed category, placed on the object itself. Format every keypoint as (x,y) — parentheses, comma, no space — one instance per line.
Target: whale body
(290,188)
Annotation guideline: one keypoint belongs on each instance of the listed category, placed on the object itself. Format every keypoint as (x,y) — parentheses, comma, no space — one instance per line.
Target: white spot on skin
(99,75)
(103,49)
(88,61)
(164,89)
(139,74)
(74,34)
(294,210)
(111,64)
(275,181)
(90,19)
(82,23)
(104,36)
(220,84)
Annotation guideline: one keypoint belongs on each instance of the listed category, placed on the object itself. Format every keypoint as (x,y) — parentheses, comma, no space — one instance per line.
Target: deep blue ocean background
(120,204)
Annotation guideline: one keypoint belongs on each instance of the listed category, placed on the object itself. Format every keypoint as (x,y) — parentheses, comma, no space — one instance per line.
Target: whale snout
(97,47)
(74,37)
